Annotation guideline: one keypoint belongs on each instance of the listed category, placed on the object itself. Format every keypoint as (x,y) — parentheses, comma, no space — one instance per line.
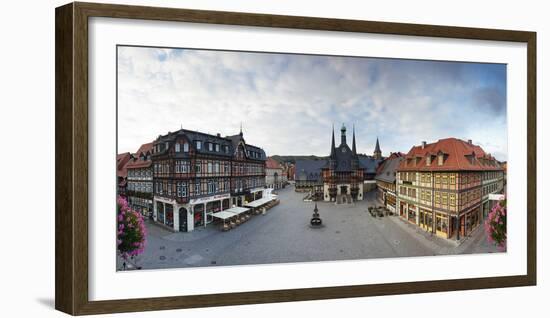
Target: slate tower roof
(342,158)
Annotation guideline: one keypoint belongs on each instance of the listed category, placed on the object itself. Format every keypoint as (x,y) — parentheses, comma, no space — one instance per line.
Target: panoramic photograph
(231,158)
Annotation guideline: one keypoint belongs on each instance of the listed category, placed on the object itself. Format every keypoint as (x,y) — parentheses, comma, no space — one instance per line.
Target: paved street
(283,235)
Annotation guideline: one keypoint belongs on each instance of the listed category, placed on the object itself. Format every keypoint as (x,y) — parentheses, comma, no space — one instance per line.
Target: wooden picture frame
(71,167)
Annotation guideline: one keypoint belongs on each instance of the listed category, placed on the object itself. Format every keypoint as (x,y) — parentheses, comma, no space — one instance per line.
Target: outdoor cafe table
(224,215)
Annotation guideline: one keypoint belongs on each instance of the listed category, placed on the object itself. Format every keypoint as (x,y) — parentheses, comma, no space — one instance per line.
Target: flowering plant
(131,231)
(495,225)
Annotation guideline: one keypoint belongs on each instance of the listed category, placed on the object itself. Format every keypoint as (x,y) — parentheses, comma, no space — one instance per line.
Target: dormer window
(440,158)
(428,160)
(217,148)
(177,147)
(185,147)
(198,144)
(210,146)
(167,145)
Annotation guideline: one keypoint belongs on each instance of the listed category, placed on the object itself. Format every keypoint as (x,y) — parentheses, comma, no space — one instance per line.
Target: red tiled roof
(272,164)
(458,155)
(138,164)
(144,150)
(121,162)
(392,156)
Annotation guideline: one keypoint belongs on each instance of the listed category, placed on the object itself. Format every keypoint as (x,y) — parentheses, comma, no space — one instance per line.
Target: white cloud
(288,103)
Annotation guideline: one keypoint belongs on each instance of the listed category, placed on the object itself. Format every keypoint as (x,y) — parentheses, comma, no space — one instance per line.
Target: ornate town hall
(343,173)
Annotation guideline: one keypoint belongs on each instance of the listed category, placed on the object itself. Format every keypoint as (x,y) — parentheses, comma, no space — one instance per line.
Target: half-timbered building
(198,174)
(444,187)
(385,181)
(140,180)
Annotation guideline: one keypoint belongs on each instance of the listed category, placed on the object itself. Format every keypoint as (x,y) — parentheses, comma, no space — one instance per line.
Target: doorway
(183,219)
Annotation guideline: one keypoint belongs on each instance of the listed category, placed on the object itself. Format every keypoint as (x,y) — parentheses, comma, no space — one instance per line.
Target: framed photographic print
(211,158)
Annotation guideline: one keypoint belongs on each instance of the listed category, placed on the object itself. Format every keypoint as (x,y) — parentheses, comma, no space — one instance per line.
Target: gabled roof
(121,162)
(238,139)
(230,141)
(145,149)
(387,169)
(458,155)
(369,163)
(272,164)
(139,159)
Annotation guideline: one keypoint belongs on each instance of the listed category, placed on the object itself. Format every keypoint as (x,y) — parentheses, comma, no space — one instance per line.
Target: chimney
(218,135)
(423,144)
(470,141)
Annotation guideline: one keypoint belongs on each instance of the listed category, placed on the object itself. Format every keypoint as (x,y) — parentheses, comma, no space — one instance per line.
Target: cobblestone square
(283,235)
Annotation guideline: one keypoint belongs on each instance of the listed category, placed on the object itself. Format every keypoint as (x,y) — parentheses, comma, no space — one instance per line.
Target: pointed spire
(332,146)
(241,130)
(353,148)
(377,151)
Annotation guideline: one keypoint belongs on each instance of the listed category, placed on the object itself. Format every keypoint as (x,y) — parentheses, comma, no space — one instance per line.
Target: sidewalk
(198,233)
(475,242)
(437,244)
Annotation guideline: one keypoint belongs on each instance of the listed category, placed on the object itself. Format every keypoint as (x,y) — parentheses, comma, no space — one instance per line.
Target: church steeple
(343,134)
(355,158)
(332,146)
(353,148)
(377,151)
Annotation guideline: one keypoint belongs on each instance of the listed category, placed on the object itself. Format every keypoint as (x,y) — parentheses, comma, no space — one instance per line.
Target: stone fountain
(315,219)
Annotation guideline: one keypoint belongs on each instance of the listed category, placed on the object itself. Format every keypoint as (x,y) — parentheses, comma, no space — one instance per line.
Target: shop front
(402,209)
(164,214)
(211,208)
(225,204)
(411,216)
(141,205)
(202,209)
(425,220)
(471,220)
(441,224)
(198,215)
(390,201)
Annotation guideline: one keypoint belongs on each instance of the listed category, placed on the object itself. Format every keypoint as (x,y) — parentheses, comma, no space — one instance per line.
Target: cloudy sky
(288,103)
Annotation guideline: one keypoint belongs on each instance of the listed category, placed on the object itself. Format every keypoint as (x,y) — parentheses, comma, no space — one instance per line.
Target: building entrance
(183,219)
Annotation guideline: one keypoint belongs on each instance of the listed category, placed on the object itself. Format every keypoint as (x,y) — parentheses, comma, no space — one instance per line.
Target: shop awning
(257,203)
(236,210)
(223,215)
